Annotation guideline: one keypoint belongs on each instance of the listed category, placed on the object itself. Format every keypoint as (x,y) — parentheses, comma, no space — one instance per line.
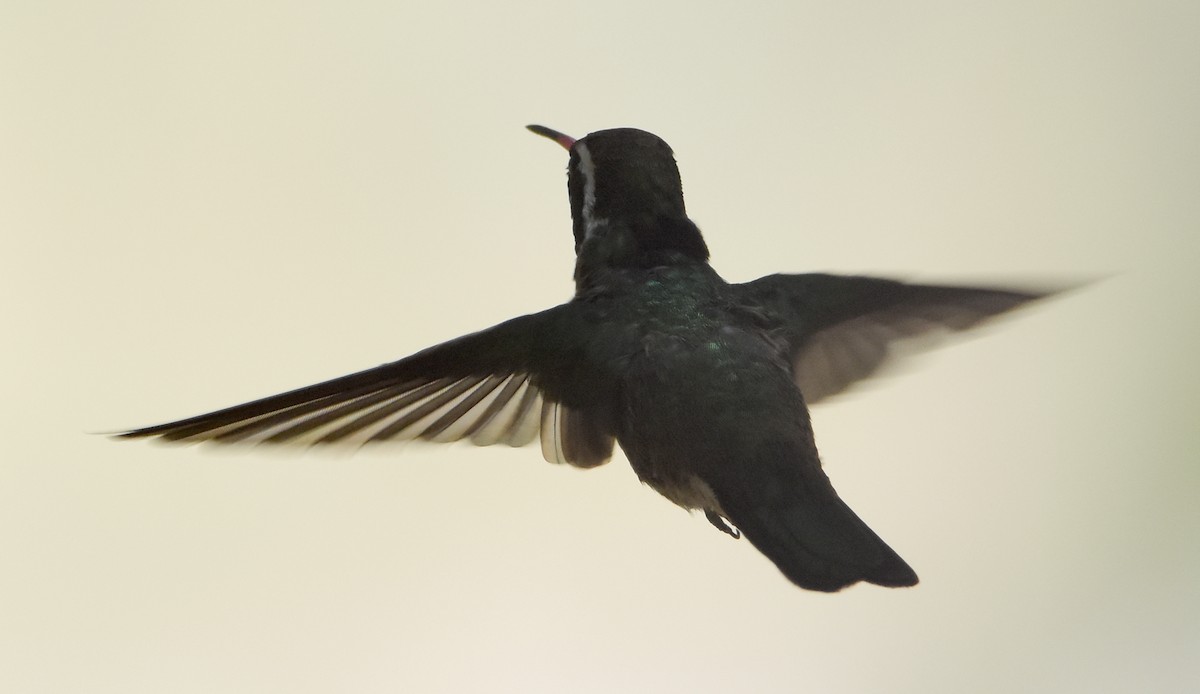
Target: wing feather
(841,329)
(483,388)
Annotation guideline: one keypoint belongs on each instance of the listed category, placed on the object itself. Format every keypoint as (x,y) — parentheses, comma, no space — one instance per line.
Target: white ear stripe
(587,169)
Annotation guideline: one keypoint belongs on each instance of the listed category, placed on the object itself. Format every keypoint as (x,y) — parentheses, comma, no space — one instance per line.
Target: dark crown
(628,177)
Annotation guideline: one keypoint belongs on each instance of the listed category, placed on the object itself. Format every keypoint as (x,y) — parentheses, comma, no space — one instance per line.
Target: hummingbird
(704,384)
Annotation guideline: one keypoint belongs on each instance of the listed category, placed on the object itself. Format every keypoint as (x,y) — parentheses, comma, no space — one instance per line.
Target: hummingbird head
(625,181)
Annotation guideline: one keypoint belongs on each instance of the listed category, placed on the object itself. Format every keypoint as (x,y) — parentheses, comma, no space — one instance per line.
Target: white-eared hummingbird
(704,384)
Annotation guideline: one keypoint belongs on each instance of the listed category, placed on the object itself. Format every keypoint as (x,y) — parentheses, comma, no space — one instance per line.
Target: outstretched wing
(487,387)
(841,329)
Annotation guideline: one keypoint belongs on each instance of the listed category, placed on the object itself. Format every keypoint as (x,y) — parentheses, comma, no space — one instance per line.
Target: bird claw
(723,525)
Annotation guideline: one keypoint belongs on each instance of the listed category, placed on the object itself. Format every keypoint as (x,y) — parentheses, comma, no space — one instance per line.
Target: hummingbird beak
(565,140)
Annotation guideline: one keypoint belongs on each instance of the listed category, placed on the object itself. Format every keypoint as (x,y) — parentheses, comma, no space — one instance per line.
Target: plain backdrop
(204,203)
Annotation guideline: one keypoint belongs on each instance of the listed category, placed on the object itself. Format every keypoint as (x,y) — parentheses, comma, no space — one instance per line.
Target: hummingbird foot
(723,525)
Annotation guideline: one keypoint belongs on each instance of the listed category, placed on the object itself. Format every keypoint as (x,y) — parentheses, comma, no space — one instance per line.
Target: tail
(815,539)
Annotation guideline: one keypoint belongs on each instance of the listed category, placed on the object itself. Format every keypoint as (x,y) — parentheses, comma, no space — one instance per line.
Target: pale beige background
(202,203)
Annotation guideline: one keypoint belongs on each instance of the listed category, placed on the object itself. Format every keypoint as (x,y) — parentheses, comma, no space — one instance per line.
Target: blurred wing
(843,329)
(482,387)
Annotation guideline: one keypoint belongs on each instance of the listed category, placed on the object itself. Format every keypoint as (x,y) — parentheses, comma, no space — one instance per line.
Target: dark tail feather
(820,544)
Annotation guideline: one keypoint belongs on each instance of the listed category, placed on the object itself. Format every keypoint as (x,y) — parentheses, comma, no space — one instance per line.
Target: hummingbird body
(704,384)
(707,402)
